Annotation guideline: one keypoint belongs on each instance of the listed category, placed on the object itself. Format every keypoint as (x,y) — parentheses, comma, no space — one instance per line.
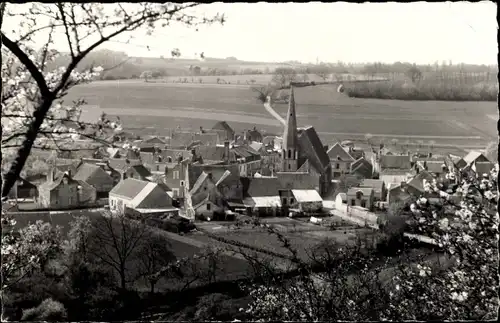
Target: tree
(33,97)
(116,241)
(369,139)
(154,254)
(394,141)
(467,230)
(322,71)
(146,75)
(491,151)
(27,251)
(432,144)
(414,74)
(283,76)
(48,310)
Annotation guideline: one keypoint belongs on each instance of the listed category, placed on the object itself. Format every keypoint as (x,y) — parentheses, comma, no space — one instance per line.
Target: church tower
(290,154)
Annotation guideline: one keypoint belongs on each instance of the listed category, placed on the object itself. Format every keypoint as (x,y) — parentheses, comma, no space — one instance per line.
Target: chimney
(193,155)
(226,152)
(245,135)
(201,129)
(69,173)
(210,176)
(52,175)
(430,155)
(325,147)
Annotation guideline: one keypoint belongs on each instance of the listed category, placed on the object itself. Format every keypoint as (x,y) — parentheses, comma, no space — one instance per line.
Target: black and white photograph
(249,161)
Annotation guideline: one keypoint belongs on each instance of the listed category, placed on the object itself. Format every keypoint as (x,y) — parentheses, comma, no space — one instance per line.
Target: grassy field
(155,108)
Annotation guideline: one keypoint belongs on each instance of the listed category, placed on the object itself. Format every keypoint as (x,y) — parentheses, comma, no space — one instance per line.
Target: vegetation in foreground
(92,274)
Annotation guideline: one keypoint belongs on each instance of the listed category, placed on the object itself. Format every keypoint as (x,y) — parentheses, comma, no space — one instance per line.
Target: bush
(48,310)
(422,91)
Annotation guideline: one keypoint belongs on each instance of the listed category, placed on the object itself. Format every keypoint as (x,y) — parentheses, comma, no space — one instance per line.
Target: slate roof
(256,145)
(338,152)
(433,166)
(264,186)
(214,153)
(85,171)
(51,184)
(362,167)
(311,146)
(129,188)
(376,184)
(180,139)
(141,170)
(120,164)
(222,125)
(401,162)
(174,153)
(418,181)
(207,138)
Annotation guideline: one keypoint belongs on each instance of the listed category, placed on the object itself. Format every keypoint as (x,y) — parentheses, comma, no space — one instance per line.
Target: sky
(419,32)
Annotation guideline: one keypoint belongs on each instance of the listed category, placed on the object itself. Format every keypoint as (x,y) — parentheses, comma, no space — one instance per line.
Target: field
(156,108)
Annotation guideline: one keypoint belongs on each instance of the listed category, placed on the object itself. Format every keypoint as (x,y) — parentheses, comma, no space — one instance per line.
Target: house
(97,177)
(248,159)
(104,164)
(340,159)
(252,135)
(394,168)
(123,136)
(361,196)
(175,178)
(225,129)
(142,196)
(62,191)
(121,165)
(206,199)
(437,168)
(482,168)
(308,201)
(210,138)
(180,139)
(470,158)
(137,171)
(23,189)
(362,168)
(415,186)
(379,188)
(174,155)
(397,193)
(216,153)
(226,177)
(262,196)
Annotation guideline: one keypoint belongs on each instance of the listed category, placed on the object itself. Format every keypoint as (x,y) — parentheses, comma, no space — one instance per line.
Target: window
(182,183)
(284,201)
(176,174)
(363,203)
(337,165)
(289,167)
(291,200)
(289,153)
(175,191)
(208,206)
(353,202)
(157,167)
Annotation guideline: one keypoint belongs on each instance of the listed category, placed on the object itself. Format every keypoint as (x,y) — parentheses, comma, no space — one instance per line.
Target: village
(219,175)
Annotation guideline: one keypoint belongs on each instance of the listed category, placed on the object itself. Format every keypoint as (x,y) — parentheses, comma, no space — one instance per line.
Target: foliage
(27,251)
(422,91)
(354,283)
(283,76)
(48,310)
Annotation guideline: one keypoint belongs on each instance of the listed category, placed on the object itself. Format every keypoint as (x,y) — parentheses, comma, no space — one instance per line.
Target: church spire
(290,138)
(290,135)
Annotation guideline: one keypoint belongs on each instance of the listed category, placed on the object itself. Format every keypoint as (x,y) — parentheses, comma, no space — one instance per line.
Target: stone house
(249,160)
(362,168)
(340,160)
(206,198)
(141,196)
(97,177)
(23,189)
(308,201)
(471,158)
(137,171)
(262,196)
(379,188)
(361,196)
(61,191)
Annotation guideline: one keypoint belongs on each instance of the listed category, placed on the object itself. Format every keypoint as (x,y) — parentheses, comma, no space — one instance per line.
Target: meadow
(158,107)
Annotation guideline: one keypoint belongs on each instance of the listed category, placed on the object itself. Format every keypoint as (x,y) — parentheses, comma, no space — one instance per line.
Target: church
(305,174)
(303,155)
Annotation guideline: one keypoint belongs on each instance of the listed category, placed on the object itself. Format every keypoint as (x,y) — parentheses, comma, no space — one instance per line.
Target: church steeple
(290,139)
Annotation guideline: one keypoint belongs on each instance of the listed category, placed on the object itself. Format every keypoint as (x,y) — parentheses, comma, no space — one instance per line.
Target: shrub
(48,310)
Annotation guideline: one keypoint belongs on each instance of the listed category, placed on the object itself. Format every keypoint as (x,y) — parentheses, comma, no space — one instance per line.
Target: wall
(203,210)
(368,200)
(358,213)
(344,167)
(64,196)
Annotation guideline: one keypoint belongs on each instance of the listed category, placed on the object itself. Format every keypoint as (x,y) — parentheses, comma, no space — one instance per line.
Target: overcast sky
(416,32)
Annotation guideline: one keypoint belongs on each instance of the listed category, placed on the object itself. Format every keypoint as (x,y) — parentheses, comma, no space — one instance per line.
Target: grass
(152,107)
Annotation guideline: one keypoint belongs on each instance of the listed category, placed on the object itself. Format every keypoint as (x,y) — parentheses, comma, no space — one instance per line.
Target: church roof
(290,140)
